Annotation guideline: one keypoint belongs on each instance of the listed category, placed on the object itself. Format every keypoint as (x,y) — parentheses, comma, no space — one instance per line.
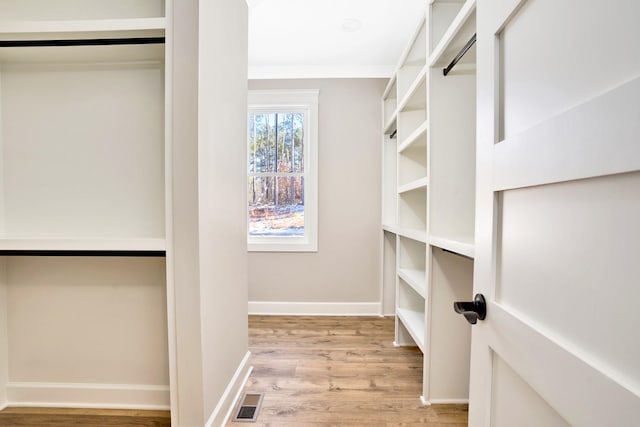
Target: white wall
(346,268)
(96,324)
(4,366)
(208,207)
(223,196)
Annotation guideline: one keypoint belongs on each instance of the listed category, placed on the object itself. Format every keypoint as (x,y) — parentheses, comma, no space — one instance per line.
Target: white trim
(133,244)
(84,25)
(598,137)
(447,401)
(315,308)
(555,357)
(429,402)
(221,413)
(80,395)
(319,71)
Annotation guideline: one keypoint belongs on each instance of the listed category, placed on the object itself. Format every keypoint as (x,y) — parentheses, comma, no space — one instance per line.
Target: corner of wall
(222,412)
(2,214)
(4,353)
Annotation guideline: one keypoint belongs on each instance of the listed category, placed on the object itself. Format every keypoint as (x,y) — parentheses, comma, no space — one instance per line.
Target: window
(282,149)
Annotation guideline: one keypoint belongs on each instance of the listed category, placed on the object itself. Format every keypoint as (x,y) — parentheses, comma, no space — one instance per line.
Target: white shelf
(413,234)
(459,32)
(391,228)
(452,245)
(390,125)
(413,321)
(435,181)
(22,28)
(33,244)
(416,50)
(417,88)
(414,185)
(414,137)
(417,279)
(412,208)
(84,190)
(389,106)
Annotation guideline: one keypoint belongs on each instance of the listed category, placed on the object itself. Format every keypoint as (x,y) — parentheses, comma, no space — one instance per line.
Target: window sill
(281,245)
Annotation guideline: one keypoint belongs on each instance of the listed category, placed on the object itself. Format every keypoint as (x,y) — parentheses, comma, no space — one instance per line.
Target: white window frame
(286,100)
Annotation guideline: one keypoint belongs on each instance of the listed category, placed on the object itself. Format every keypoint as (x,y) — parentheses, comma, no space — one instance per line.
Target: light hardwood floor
(314,371)
(54,417)
(338,371)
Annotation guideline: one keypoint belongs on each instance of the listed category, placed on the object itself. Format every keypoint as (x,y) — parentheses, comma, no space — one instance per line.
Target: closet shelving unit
(82,201)
(429,160)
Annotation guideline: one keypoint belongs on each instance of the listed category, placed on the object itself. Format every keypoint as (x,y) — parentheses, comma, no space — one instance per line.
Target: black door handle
(472,310)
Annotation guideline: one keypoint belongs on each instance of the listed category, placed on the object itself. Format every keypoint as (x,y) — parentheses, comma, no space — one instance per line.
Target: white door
(558,214)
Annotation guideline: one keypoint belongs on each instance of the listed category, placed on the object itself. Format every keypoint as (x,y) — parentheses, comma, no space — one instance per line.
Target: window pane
(298,138)
(252,143)
(276,206)
(284,149)
(262,134)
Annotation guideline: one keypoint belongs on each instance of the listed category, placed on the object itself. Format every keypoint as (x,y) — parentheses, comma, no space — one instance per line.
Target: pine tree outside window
(282,170)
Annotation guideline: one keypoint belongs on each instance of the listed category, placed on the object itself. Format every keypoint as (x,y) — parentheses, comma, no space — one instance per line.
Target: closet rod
(82,42)
(460,54)
(113,253)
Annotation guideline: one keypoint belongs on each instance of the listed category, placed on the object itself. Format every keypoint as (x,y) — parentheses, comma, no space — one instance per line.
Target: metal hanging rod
(460,54)
(100,253)
(82,42)
(393,134)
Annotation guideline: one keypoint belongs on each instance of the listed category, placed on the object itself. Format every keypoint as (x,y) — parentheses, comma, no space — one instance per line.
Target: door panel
(556,53)
(558,202)
(515,403)
(567,262)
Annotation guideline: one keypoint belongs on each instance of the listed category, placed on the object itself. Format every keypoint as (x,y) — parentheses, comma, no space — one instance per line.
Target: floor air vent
(249,407)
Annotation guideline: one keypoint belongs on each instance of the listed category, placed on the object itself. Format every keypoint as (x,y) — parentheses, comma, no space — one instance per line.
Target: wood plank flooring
(63,417)
(314,371)
(338,371)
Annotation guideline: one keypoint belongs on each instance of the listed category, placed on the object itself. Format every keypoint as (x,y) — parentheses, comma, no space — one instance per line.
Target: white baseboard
(222,412)
(3,405)
(444,401)
(315,308)
(80,395)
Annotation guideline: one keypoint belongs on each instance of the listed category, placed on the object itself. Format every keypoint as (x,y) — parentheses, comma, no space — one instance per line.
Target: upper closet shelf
(34,29)
(414,185)
(62,245)
(451,245)
(414,139)
(413,234)
(416,51)
(415,95)
(461,29)
(391,228)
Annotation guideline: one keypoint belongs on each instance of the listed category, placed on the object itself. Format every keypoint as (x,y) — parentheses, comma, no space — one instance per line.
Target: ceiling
(329,38)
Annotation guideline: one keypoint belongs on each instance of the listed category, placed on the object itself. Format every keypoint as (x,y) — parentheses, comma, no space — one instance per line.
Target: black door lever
(472,310)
